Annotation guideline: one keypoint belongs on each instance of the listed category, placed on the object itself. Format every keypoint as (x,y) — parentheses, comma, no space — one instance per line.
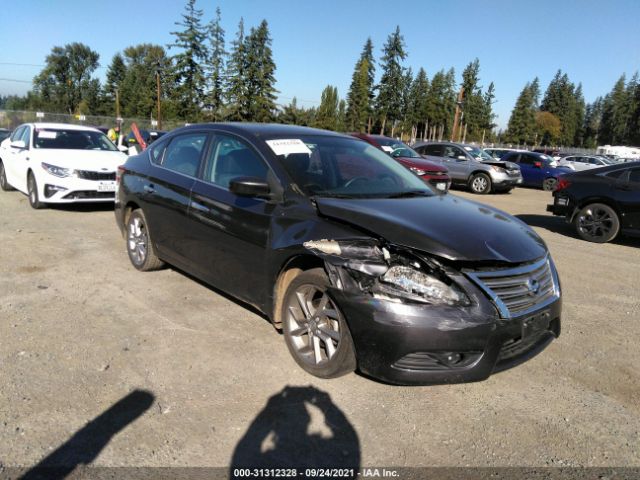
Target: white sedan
(59,163)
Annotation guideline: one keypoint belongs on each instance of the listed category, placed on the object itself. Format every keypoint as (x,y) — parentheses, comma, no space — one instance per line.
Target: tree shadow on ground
(300,427)
(87,443)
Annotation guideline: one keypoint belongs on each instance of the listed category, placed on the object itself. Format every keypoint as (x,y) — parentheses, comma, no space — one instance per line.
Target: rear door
(433,152)
(166,190)
(628,197)
(229,233)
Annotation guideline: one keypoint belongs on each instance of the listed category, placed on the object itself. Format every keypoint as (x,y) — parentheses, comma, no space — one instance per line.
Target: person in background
(114,134)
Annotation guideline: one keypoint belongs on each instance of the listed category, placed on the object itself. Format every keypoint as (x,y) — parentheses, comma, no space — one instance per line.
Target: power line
(14,80)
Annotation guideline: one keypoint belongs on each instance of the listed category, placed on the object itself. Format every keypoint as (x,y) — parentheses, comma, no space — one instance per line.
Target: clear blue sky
(316,43)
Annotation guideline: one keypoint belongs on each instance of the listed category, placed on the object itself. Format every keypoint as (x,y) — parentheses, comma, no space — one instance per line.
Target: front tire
(480,183)
(4,185)
(139,244)
(32,191)
(597,222)
(549,184)
(315,330)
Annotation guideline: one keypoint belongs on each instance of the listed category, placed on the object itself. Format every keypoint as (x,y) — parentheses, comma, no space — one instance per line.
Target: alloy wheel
(137,240)
(480,184)
(314,325)
(596,222)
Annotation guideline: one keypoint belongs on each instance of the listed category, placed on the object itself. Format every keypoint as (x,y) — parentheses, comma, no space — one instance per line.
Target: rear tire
(4,185)
(315,330)
(139,244)
(549,184)
(480,183)
(32,191)
(597,222)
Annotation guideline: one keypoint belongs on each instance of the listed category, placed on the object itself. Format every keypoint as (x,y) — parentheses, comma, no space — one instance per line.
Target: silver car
(584,162)
(470,166)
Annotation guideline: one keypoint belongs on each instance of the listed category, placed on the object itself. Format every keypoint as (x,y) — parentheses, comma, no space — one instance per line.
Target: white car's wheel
(32,191)
(4,185)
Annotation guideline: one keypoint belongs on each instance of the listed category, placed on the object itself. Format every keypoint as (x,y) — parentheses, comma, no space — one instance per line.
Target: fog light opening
(51,190)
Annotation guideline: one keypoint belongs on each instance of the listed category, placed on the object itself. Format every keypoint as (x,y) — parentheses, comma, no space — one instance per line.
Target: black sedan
(360,263)
(600,203)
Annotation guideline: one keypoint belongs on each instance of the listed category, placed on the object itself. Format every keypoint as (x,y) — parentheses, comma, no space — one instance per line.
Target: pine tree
(592,120)
(487,117)
(115,76)
(522,123)
(615,117)
(473,104)
(236,88)
(188,72)
(361,90)
(560,99)
(216,65)
(633,94)
(327,115)
(578,116)
(419,106)
(389,99)
(260,75)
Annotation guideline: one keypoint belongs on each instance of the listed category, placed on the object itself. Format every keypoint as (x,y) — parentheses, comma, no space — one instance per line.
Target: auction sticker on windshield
(288,146)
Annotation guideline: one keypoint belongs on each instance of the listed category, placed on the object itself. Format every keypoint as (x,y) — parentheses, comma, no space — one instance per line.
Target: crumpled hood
(443,225)
(92,160)
(499,163)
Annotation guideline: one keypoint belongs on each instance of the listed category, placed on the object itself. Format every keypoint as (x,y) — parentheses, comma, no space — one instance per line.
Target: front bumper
(503,180)
(75,190)
(440,182)
(410,344)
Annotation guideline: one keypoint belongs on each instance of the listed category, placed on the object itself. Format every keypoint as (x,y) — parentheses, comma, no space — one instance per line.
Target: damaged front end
(388,272)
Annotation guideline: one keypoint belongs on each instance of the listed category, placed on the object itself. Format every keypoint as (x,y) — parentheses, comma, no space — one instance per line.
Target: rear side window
(528,159)
(184,152)
(634,176)
(231,158)
(157,151)
(435,150)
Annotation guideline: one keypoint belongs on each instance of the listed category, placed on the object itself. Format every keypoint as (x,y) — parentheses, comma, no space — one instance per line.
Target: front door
(230,233)
(457,162)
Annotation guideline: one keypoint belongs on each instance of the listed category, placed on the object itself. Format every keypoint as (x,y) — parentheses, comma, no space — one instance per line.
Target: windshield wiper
(410,193)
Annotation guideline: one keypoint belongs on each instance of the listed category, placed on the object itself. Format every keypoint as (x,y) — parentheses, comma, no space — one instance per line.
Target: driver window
(231,158)
(15,136)
(450,152)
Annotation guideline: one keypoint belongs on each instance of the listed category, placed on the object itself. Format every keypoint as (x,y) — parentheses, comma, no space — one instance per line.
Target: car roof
(65,126)
(262,130)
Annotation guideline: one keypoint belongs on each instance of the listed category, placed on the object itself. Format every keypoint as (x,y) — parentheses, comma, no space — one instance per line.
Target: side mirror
(18,144)
(537,164)
(461,157)
(249,187)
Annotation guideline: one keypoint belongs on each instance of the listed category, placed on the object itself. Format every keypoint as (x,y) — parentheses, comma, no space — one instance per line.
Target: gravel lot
(80,329)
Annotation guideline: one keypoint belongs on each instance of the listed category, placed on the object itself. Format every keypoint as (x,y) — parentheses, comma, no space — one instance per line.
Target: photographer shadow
(300,427)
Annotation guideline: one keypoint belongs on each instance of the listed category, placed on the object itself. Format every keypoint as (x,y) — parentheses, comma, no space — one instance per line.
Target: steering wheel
(354,180)
(387,176)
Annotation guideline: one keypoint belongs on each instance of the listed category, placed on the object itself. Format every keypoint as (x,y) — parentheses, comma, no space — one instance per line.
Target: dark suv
(358,261)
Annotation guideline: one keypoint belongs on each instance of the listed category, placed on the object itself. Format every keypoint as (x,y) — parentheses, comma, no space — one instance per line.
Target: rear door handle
(149,188)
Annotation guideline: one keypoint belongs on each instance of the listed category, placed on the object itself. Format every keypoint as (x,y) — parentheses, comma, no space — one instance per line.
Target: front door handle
(149,188)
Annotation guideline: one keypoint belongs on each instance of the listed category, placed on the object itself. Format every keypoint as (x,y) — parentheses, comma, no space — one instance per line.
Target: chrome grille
(517,291)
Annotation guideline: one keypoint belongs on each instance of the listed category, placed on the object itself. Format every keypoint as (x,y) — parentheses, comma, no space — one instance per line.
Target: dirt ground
(102,364)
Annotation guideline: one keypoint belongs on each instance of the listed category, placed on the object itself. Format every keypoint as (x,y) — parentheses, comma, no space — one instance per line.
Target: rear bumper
(561,206)
(420,345)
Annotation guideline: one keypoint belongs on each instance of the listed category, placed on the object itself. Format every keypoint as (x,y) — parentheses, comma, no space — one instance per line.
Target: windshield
(479,154)
(72,139)
(343,167)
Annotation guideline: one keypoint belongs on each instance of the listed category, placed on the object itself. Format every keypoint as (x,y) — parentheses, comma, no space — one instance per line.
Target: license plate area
(107,187)
(535,324)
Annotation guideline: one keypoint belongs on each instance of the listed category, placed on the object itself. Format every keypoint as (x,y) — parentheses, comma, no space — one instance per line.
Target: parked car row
(361,263)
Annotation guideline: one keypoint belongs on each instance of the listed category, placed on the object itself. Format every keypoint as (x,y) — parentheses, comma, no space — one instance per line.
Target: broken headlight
(406,281)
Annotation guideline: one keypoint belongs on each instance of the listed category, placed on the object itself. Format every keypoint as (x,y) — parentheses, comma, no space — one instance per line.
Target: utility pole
(456,117)
(117,105)
(158,94)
